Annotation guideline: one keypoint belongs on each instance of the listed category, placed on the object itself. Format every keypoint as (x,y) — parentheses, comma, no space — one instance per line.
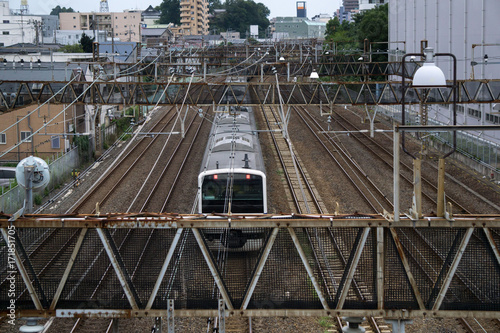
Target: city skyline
(277,8)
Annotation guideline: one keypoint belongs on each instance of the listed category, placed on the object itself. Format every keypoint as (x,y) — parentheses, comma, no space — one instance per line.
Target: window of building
(5,21)
(460,109)
(3,138)
(5,32)
(474,113)
(489,118)
(25,136)
(74,26)
(55,142)
(74,17)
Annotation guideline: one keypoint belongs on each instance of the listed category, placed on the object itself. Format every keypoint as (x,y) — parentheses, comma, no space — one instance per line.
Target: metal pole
(440,194)
(170,317)
(28,173)
(396,174)
(417,187)
(222,316)
(380,267)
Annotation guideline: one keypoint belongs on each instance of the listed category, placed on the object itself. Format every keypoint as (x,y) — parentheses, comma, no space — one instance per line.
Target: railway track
(158,195)
(480,326)
(306,200)
(127,167)
(305,197)
(378,148)
(367,189)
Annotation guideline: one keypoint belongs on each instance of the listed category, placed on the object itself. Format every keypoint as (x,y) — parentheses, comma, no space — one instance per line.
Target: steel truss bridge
(300,265)
(16,94)
(168,84)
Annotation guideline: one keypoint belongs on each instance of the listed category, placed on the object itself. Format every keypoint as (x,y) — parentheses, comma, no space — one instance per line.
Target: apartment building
(370,4)
(351,5)
(194,17)
(126,26)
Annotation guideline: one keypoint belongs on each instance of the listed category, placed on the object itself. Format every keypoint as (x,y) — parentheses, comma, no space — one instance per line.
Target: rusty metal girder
(284,279)
(175,221)
(14,94)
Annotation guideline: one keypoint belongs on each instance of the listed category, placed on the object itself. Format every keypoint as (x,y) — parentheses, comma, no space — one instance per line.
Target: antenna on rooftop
(24,7)
(104,6)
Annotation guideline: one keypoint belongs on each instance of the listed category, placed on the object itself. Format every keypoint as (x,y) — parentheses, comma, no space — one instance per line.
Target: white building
(71,37)
(466,28)
(370,4)
(321,18)
(17,28)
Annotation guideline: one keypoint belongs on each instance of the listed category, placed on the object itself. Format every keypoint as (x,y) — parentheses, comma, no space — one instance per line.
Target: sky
(277,7)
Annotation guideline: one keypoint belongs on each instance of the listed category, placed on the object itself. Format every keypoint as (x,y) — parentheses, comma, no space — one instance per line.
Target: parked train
(232,178)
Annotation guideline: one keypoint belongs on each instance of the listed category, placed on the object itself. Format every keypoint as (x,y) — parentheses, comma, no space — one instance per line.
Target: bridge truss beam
(461,279)
(14,94)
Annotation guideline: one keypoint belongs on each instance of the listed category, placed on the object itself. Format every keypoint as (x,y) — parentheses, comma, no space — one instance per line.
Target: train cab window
(247,194)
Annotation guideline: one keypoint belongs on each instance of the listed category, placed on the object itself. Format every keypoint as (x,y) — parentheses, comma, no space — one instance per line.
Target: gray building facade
(466,28)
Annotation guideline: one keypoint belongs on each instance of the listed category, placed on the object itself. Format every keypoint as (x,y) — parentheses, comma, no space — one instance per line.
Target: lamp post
(428,76)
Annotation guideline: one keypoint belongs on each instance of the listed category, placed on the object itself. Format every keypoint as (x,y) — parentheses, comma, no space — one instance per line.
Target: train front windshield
(247,193)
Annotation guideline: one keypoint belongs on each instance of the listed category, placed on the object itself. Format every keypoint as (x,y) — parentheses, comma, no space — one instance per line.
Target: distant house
(150,17)
(156,36)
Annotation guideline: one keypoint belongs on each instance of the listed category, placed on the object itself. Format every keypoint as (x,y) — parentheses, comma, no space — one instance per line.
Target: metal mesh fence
(235,253)
(399,293)
(92,282)
(475,284)
(284,282)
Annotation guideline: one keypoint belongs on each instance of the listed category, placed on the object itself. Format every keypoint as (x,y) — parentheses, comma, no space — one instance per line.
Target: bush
(37,199)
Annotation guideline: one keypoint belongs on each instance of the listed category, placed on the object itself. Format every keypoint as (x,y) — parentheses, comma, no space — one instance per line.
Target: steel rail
(167,165)
(424,179)
(351,164)
(96,186)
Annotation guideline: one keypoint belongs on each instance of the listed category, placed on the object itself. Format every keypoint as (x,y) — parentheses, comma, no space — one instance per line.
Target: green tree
(170,12)
(239,15)
(87,43)
(342,34)
(75,48)
(371,24)
(56,10)
(374,25)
